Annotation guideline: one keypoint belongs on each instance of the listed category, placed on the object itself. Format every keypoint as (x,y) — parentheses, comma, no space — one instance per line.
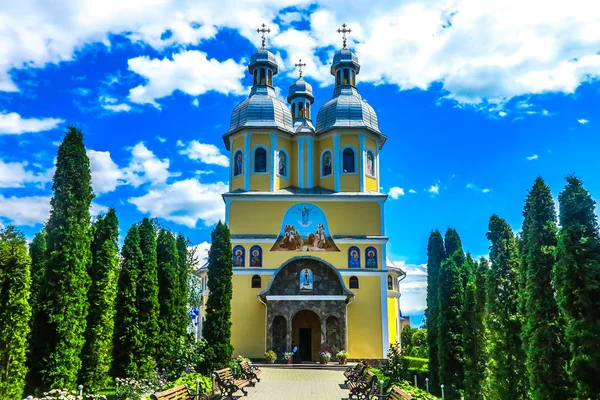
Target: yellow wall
(248,317)
(292,165)
(364,320)
(371,184)
(238,181)
(392,316)
(320,146)
(350,183)
(261,182)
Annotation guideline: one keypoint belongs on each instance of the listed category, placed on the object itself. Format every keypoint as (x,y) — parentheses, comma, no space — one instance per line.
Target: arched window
(353,78)
(256,282)
(307,112)
(260,160)
(238,163)
(370,164)
(270,78)
(326,163)
(371,257)
(353,282)
(282,168)
(353,257)
(300,110)
(346,77)
(390,283)
(293,110)
(263,81)
(348,160)
(255,257)
(239,257)
(255,77)
(338,80)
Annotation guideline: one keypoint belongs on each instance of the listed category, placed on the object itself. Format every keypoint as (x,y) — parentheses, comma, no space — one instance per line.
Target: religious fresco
(256,256)
(304,228)
(238,163)
(239,256)
(306,279)
(282,165)
(326,163)
(353,257)
(370,164)
(371,257)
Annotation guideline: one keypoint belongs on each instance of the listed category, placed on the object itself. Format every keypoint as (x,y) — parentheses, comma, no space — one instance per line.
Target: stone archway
(279,332)
(306,333)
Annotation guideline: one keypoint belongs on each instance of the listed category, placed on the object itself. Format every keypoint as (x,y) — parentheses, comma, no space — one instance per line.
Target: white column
(361,162)
(301,163)
(247,138)
(227,204)
(385,336)
(382,216)
(377,163)
(274,160)
(337,162)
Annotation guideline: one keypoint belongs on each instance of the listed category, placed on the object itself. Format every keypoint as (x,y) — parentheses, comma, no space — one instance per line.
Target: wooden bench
(354,373)
(363,388)
(250,372)
(180,392)
(228,384)
(399,394)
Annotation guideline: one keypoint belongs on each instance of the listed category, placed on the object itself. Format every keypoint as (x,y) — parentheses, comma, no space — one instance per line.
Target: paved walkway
(298,384)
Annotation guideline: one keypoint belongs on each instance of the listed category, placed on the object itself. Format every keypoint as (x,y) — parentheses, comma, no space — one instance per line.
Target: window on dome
(260,160)
(238,163)
(262,77)
(256,282)
(338,81)
(353,282)
(326,163)
(270,78)
(307,112)
(353,78)
(346,77)
(293,110)
(390,283)
(300,110)
(255,77)
(370,164)
(348,160)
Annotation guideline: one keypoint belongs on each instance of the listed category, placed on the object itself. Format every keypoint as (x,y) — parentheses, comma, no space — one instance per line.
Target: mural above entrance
(304,228)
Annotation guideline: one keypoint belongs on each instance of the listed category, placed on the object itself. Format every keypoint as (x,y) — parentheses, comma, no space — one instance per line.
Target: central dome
(262,109)
(346,110)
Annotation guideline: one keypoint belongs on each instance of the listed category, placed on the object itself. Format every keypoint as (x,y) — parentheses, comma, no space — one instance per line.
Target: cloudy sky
(477,99)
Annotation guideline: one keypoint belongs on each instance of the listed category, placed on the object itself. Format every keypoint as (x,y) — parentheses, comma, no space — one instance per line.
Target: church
(307,220)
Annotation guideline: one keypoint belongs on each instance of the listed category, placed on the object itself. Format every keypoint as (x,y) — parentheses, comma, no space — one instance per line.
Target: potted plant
(325,357)
(343,357)
(288,357)
(270,357)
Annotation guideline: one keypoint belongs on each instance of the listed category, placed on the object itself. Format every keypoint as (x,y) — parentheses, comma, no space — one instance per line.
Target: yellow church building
(307,220)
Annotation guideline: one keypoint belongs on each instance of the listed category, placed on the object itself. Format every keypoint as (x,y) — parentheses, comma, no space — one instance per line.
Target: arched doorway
(306,332)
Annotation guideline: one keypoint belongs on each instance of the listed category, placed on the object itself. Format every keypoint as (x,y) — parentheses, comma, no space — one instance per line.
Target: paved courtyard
(298,384)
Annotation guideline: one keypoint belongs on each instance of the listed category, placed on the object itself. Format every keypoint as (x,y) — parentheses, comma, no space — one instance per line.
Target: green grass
(109,392)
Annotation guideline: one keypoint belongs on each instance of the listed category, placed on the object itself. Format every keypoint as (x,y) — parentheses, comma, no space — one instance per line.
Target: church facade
(307,220)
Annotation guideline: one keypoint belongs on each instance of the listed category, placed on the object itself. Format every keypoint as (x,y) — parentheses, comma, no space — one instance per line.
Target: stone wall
(325,280)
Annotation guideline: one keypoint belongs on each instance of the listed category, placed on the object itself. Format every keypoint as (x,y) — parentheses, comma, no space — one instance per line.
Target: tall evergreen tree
(37,252)
(543,337)
(184,287)
(506,365)
(147,300)
(475,354)
(69,257)
(577,278)
(15,312)
(127,333)
(435,256)
(37,340)
(97,353)
(169,294)
(217,328)
(451,303)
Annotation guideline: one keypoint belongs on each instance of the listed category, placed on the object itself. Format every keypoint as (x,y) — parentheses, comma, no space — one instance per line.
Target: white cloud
(146,167)
(17,175)
(195,103)
(206,153)
(111,104)
(13,124)
(106,175)
(184,202)
(413,288)
(396,192)
(189,71)
(161,139)
(533,157)
(486,190)
(202,250)
(476,188)
(412,191)
(434,189)
(583,121)
(96,209)
(28,211)
(502,114)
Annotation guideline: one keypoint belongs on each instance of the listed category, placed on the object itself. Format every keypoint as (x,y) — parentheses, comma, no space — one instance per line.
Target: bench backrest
(224,374)
(370,377)
(177,393)
(399,394)
(244,365)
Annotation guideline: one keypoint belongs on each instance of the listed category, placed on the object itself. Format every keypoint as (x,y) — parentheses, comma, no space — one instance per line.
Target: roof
(300,88)
(347,110)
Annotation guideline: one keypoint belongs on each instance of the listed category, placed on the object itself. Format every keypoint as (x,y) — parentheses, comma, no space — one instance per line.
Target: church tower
(307,219)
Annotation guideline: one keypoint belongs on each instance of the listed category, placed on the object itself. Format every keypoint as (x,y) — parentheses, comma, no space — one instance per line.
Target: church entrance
(306,331)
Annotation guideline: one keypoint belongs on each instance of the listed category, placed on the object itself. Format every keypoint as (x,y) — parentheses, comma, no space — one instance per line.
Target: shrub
(187,357)
(343,356)
(189,380)
(133,389)
(270,356)
(417,362)
(325,356)
(66,394)
(235,367)
(396,366)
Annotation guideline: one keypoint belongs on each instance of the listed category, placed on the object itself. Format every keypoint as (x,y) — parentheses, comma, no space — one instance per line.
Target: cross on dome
(343,31)
(263,29)
(300,64)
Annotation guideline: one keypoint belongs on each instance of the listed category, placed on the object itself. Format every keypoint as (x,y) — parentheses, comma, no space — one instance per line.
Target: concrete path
(298,384)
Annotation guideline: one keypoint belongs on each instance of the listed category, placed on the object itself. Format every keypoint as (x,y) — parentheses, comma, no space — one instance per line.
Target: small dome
(263,57)
(346,110)
(301,88)
(345,58)
(262,109)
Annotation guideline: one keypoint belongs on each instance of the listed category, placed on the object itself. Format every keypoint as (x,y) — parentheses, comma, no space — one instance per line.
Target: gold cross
(300,64)
(343,31)
(263,30)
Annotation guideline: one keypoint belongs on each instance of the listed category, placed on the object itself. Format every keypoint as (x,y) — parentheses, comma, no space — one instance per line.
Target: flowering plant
(66,394)
(133,389)
(288,356)
(241,358)
(270,356)
(325,356)
(343,356)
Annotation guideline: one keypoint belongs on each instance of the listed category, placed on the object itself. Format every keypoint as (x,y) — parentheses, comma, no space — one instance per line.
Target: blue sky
(476,99)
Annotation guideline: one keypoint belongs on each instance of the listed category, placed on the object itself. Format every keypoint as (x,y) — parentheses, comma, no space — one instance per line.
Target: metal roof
(300,88)
(347,58)
(262,109)
(263,57)
(346,110)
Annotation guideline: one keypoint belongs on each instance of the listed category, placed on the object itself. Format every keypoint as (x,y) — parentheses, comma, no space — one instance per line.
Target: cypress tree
(183,318)
(147,300)
(97,353)
(15,312)
(169,294)
(543,338)
(435,256)
(127,334)
(37,252)
(217,328)
(37,340)
(451,303)
(69,257)
(506,363)
(475,356)
(577,278)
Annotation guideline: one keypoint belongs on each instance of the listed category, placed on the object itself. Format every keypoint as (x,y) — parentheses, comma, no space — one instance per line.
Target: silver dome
(262,109)
(300,88)
(263,57)
(343,58)
(346,110)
